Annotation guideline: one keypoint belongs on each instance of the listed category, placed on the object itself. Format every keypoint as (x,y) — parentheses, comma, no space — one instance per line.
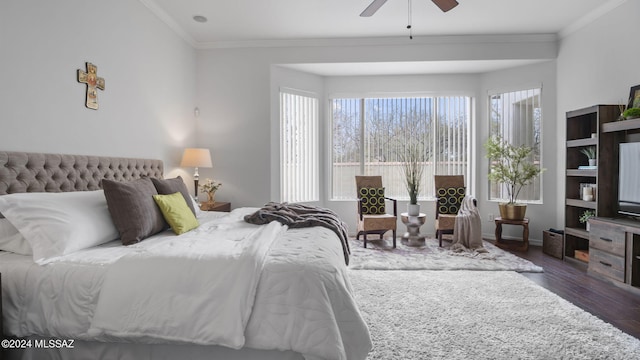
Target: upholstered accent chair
(450,191)
(373,217)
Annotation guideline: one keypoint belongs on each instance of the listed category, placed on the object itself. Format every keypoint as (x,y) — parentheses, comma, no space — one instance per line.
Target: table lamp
(196,157)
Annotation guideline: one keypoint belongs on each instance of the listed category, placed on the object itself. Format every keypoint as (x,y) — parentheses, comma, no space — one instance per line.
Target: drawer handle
(605,264)
(606,239)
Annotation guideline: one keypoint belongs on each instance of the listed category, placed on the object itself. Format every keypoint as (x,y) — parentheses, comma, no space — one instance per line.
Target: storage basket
(552,243)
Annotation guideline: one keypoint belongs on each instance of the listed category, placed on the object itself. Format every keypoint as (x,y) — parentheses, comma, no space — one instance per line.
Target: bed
(169,295)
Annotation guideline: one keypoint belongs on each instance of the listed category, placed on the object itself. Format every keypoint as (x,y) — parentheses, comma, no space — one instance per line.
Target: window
(299,164)
(516,117)
(370,137)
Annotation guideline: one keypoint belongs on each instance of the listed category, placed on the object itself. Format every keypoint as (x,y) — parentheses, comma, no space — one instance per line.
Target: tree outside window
(371,135)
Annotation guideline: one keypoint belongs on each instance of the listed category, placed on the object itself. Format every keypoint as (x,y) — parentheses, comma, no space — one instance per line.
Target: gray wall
(146,109)
(239,118)
(597,64)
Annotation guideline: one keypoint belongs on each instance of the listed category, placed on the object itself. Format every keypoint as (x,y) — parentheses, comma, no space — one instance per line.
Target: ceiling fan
(444,5)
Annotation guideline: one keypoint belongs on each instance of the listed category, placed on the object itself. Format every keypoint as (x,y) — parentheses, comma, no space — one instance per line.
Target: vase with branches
(622,107)
(413,170)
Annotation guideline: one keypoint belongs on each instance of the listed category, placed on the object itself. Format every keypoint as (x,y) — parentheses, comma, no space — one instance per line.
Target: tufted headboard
(37,172)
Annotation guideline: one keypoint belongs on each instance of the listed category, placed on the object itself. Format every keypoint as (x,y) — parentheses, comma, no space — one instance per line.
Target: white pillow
(57,224)
(11,240)
(196,206)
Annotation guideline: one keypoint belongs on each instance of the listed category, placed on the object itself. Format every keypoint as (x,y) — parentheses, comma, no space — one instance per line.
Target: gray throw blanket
(299,216)
(467,233)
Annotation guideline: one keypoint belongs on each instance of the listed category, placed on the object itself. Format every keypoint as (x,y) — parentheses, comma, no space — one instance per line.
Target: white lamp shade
(194,157)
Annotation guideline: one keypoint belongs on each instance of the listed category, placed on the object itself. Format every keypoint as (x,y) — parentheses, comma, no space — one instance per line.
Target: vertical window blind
(299,154)
(517,117)
(371,137)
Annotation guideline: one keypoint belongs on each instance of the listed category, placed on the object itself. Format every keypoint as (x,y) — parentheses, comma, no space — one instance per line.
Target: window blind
(299,155)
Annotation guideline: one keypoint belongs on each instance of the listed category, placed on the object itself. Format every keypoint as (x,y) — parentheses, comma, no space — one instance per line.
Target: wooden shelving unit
(613,241)
(633,124)
(585,127)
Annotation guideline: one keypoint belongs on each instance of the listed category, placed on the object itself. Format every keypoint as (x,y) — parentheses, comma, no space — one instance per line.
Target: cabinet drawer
(607,237)
(606,264)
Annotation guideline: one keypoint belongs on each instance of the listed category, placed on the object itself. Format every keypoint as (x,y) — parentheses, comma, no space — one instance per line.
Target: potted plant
(513,167)
(631,113)
(586,215)
(412,170)
(590,153)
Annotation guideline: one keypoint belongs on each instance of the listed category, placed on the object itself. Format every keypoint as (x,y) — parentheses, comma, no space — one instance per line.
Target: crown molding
(169,21)
(590,17)
(380,41)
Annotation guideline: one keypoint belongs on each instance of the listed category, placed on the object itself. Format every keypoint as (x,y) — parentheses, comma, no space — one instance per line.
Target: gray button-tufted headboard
(37,172)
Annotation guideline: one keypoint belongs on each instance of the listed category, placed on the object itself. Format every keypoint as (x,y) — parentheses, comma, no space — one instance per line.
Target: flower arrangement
(210,186)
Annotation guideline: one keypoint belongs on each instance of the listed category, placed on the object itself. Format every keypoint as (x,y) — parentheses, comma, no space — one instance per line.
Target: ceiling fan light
(445,5)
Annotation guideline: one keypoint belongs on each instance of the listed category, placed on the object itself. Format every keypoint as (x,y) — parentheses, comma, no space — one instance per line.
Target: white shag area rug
(479,315)
(380,255)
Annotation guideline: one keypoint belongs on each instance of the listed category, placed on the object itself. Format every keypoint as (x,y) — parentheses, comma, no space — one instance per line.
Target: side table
(412,237)
(216,206)
(512,244)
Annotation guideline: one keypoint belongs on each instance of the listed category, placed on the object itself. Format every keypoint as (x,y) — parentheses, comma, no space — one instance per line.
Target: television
(629,179)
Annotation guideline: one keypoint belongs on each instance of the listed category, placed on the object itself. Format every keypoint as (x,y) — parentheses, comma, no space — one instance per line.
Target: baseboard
(532,242)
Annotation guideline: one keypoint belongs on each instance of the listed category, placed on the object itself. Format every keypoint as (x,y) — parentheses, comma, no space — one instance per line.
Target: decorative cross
(93,81)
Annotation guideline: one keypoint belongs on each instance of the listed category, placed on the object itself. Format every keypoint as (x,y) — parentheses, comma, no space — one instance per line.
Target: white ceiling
(293,22)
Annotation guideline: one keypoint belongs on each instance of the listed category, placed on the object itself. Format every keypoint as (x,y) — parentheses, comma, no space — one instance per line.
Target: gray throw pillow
(133,210)
(171,186)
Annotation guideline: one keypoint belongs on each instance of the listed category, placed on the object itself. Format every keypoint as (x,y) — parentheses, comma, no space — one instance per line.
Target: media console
(614,248)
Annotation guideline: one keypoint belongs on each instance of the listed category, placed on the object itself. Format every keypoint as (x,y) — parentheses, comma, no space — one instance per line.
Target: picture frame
(634,97)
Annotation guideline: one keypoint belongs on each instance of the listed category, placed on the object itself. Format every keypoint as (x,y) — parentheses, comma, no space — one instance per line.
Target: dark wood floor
(612,304)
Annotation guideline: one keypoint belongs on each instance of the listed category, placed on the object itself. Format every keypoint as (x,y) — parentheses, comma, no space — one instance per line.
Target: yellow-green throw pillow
(450,199)
(372,200)
(176,212)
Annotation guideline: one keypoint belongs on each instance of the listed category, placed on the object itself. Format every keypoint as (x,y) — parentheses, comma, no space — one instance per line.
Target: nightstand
(216,206)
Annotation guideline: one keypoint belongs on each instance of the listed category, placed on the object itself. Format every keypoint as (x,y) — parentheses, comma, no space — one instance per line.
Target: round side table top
(406,214)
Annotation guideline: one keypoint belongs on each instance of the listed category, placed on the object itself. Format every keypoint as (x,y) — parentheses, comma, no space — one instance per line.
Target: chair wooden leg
(439,234)
(365,239)
(394,239)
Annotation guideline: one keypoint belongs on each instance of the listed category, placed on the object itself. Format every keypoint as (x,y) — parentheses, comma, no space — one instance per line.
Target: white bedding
(303,298)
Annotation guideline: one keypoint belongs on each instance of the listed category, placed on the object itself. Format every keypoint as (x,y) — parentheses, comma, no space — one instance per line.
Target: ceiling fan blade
(445,5)
(372,8)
